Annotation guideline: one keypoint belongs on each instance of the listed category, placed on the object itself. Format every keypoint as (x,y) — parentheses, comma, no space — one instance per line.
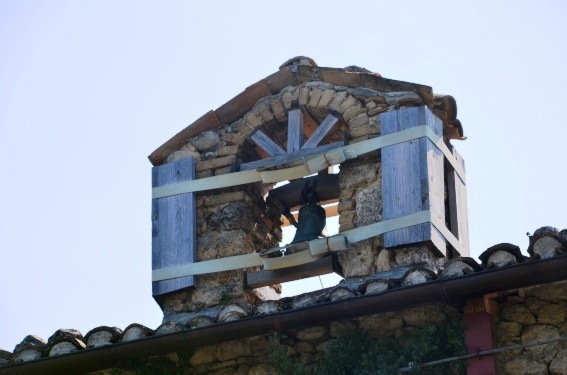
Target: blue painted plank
(174,239)
(412,178)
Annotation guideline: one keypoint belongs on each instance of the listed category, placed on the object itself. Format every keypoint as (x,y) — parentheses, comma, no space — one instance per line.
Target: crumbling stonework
(533,314)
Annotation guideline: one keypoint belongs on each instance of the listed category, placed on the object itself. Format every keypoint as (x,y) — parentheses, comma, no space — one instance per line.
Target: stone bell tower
(218,208)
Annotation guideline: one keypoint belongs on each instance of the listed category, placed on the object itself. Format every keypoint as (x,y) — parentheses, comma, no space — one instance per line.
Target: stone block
(337,100)
(525,366)
(229,350)
(204,174)
(314,99)
(552,314)
(508,329)
(418,316)
(358,260)
(360,120)
(234,138)
(416,256)
(326,98)
(214,245)
(347,103)
(519,314)
(265,113)
(352,112)
(253,120)
(243,128)
(381,325)
(538,333)
(178,155)
(357,174)
(206,140)
(278,110)
(558,365)
(369,205)
(215,163)
(204,356)
(346,217)
(225,170)
(316,333)
(303,96)
(227,150)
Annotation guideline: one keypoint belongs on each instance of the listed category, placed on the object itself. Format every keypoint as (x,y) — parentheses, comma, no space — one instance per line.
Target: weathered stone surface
(31,341)
(182,154)
(204,356)
(418,276)
(386,260)
(222,244)
(501,259)
(418,316)
(305,347)
(26,354)
(376,287)
(381,324)
(169,327)
(229,350)
(358,260)
(538,333)
(224,197)
(416,256)
(519,314)
(359,175)
(552,292)
(61,334)
(313,333)
(201,321)
(341,293)
(101,338)
(369,205)
(233,216)
(558,365)
(206,140)
(552,314)
(525,366)
(223,161)
(267,307)
(508,329)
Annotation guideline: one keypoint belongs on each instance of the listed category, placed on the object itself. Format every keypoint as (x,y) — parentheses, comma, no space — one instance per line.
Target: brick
(243,128)
(303,96)
(287,99)
(314,99)
(338,98)
(352,111)
(215,163)
(363,131)
(224,170)
(228,150)
(243,102)
(265,113)
(349,101)
(279,111)
(226,197)
(326,98)
(204,174)
(234,138)
(358,121)
(253,120)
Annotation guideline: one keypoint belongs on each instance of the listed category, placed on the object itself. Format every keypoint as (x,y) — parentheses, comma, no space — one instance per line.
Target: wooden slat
(458,212)
(288,158)
(266,143)
(294,130)
(412,178)
(319,267)
(174,240)
(328,124)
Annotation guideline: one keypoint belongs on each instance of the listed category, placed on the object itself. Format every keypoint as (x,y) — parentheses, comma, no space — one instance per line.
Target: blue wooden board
(174,240)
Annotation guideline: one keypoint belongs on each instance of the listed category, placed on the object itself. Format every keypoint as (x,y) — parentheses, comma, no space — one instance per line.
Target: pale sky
(88,89)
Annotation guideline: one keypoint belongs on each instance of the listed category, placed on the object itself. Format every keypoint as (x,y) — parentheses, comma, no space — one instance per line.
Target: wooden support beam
(294,130)
(270,147)
(329,123)
(310,125)
(458,212)
(288,158)
(319,267)
(289,195)
(330,211)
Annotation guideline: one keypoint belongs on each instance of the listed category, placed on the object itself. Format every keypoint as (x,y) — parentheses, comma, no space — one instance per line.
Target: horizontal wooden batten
(318,267)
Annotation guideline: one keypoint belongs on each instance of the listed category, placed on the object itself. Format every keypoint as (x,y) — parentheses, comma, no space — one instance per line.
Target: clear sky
(88,89)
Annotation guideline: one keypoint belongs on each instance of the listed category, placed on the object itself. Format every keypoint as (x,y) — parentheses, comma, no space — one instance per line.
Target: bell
(311,218)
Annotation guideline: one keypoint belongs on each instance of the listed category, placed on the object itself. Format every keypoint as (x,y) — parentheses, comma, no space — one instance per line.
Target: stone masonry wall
(533,314)
(249,355)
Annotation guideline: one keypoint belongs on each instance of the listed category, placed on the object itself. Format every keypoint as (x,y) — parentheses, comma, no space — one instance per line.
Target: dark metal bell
(311,218)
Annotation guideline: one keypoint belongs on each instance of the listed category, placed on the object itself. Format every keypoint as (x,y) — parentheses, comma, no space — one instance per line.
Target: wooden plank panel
(458,211)
(174,239)
(412,178)
(294,130)
(319,267)
(266,143)
(328,124)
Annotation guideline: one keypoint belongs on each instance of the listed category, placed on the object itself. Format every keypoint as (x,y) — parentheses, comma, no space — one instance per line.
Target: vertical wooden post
(294,130)
(413,178)
(458,212)
(478,327)
(174,240)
